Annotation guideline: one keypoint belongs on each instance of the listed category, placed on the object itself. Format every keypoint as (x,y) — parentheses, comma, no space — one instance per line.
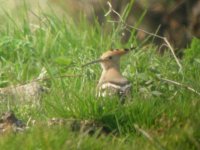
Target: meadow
(161,114)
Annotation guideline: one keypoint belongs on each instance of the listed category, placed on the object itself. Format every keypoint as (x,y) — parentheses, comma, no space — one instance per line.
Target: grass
(168,114)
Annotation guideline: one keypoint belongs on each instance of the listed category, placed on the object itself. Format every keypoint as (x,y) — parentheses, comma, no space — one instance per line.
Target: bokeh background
(178,20)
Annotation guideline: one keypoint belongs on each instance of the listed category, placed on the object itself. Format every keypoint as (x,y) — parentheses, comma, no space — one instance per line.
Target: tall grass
(169,114)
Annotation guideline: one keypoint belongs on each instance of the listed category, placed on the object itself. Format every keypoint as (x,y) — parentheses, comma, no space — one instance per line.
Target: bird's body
(111,81)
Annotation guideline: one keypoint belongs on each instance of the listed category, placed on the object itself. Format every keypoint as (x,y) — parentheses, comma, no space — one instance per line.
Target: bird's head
(110,58)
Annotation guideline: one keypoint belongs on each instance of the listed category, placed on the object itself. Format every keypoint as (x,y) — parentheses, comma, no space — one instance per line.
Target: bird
(112,82)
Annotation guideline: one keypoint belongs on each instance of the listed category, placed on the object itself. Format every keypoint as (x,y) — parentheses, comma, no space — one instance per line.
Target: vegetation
(161,115)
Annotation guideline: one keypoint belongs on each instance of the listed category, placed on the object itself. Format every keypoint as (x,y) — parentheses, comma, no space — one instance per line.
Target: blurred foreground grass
(169,114)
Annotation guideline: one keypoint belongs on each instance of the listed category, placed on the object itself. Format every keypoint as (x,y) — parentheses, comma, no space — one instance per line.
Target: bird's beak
(92,62)
(115,52)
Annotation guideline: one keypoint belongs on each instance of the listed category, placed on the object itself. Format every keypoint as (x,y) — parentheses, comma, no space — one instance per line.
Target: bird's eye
(110,57)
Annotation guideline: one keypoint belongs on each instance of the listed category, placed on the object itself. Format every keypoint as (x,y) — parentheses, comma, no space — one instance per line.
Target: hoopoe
(111,81)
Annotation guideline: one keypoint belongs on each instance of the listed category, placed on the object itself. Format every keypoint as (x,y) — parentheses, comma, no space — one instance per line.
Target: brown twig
(149,33)
(172,51)
(163,45)
(181,85)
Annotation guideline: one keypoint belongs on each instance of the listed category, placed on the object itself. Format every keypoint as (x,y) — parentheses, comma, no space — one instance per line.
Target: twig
(151,139)
(28,122)
(163,45)
(149,33)
(181,85)
(172,50)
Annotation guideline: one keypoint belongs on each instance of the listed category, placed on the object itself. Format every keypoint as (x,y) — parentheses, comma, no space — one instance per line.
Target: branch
(149,33)
(163,45)
(181,85)
(172,51)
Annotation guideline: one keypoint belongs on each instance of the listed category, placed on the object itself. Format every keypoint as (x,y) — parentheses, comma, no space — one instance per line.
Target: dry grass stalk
(181,85)
(152,34)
